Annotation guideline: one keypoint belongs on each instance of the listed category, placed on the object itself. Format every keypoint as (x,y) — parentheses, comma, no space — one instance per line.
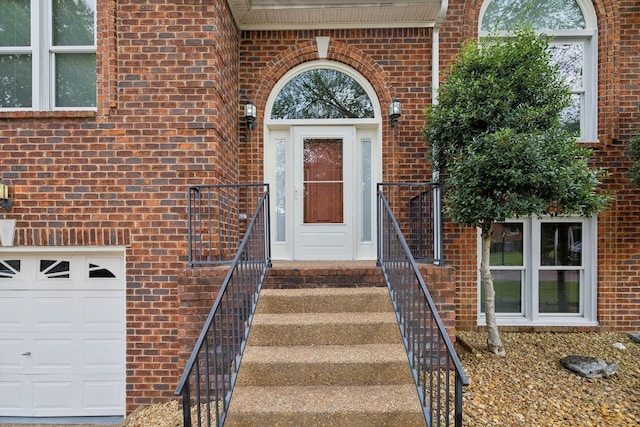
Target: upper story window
(572,26)
(322,93)
(47,55)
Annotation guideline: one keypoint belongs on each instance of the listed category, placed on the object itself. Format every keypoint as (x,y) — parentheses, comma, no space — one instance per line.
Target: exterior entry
(322,160)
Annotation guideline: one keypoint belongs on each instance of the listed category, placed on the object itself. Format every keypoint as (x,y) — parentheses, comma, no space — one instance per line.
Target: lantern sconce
(5,201)
(394,112)
(250,115)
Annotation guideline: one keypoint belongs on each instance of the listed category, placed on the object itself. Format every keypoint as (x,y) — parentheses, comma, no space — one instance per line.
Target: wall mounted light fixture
(250,115)
(5,201)
(394,112)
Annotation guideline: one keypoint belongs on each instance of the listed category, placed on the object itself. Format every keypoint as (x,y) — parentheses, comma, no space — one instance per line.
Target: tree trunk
(494,343)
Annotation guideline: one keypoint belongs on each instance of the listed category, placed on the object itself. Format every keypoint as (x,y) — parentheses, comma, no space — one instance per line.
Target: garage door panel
(52,395)
(11,359)
(67,311)
(53,354)
(57,396)
(62,339)
(12,311)
(101,397)
(77,354)
(103,353)
(13,395)
(104,310)
(50,310)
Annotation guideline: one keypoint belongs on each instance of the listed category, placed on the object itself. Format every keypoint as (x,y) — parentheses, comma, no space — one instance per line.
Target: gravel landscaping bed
(529,387)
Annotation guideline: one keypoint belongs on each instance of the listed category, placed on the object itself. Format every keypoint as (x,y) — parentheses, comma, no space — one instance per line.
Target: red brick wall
(167,117)
(619,257)
(198,288)
(441,283)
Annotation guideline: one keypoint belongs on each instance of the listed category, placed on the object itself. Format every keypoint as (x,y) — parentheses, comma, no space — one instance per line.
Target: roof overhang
(329,14)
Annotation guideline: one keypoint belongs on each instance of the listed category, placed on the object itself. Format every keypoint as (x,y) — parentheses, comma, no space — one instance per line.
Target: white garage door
(62,334)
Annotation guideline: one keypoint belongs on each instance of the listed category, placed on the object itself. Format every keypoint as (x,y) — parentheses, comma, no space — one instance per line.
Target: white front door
(324,192)
(322,181)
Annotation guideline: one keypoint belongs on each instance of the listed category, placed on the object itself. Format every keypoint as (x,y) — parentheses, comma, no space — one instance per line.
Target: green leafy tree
(634,153)
(500,148)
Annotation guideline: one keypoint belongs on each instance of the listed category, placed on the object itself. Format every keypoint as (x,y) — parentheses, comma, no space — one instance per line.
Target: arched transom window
(322,93)
(572,26)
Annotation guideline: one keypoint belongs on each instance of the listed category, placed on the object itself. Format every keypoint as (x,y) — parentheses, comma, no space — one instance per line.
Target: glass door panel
(323,181)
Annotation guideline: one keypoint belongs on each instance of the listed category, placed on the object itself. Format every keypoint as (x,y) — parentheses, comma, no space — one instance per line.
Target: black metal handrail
(417,208)
(210,374)
(433,359)
(218,218)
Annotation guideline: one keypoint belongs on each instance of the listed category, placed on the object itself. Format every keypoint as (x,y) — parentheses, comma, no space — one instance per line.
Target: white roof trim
(329,14)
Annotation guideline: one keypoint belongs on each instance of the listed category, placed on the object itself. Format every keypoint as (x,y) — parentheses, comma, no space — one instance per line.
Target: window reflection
(561,247)
(541,14)
(281,195)
(73,22)
(569,58)
(322,94)
(507,250)
(76,80)
(15,81)
(15,23)
(507,285)
(559,291)
(506,244)
(561,244)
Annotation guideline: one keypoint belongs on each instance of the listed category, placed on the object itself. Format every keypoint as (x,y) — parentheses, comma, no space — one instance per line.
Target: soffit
(315,14)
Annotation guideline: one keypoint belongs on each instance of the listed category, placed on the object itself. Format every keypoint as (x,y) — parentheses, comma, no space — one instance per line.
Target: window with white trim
(572,26)
(47,55)
(544,271)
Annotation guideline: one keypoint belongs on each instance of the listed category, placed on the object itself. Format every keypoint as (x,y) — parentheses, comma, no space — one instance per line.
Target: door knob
(28,353)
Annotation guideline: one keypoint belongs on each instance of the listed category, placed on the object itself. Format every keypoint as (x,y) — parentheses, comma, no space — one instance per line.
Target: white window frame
(43,56)
(529,315)
(589,37)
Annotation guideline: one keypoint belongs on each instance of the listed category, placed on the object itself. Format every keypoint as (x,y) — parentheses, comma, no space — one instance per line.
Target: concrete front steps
(325,357)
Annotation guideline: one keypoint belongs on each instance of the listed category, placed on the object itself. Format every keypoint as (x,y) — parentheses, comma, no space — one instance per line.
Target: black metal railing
(218,218)
(209,376)
(437,371)
(417,208)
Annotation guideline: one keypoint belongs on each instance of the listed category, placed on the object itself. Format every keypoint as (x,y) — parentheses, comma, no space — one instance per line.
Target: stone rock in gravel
(618,346)
(634,337)
(589,367)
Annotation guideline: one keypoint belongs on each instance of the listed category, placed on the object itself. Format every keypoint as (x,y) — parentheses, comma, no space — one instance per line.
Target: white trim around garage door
(62,332)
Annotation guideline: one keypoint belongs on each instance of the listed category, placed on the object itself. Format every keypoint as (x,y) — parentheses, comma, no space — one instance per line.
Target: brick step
(371,406)
(324,300)
(372,364)
(325,276)
(297,329)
